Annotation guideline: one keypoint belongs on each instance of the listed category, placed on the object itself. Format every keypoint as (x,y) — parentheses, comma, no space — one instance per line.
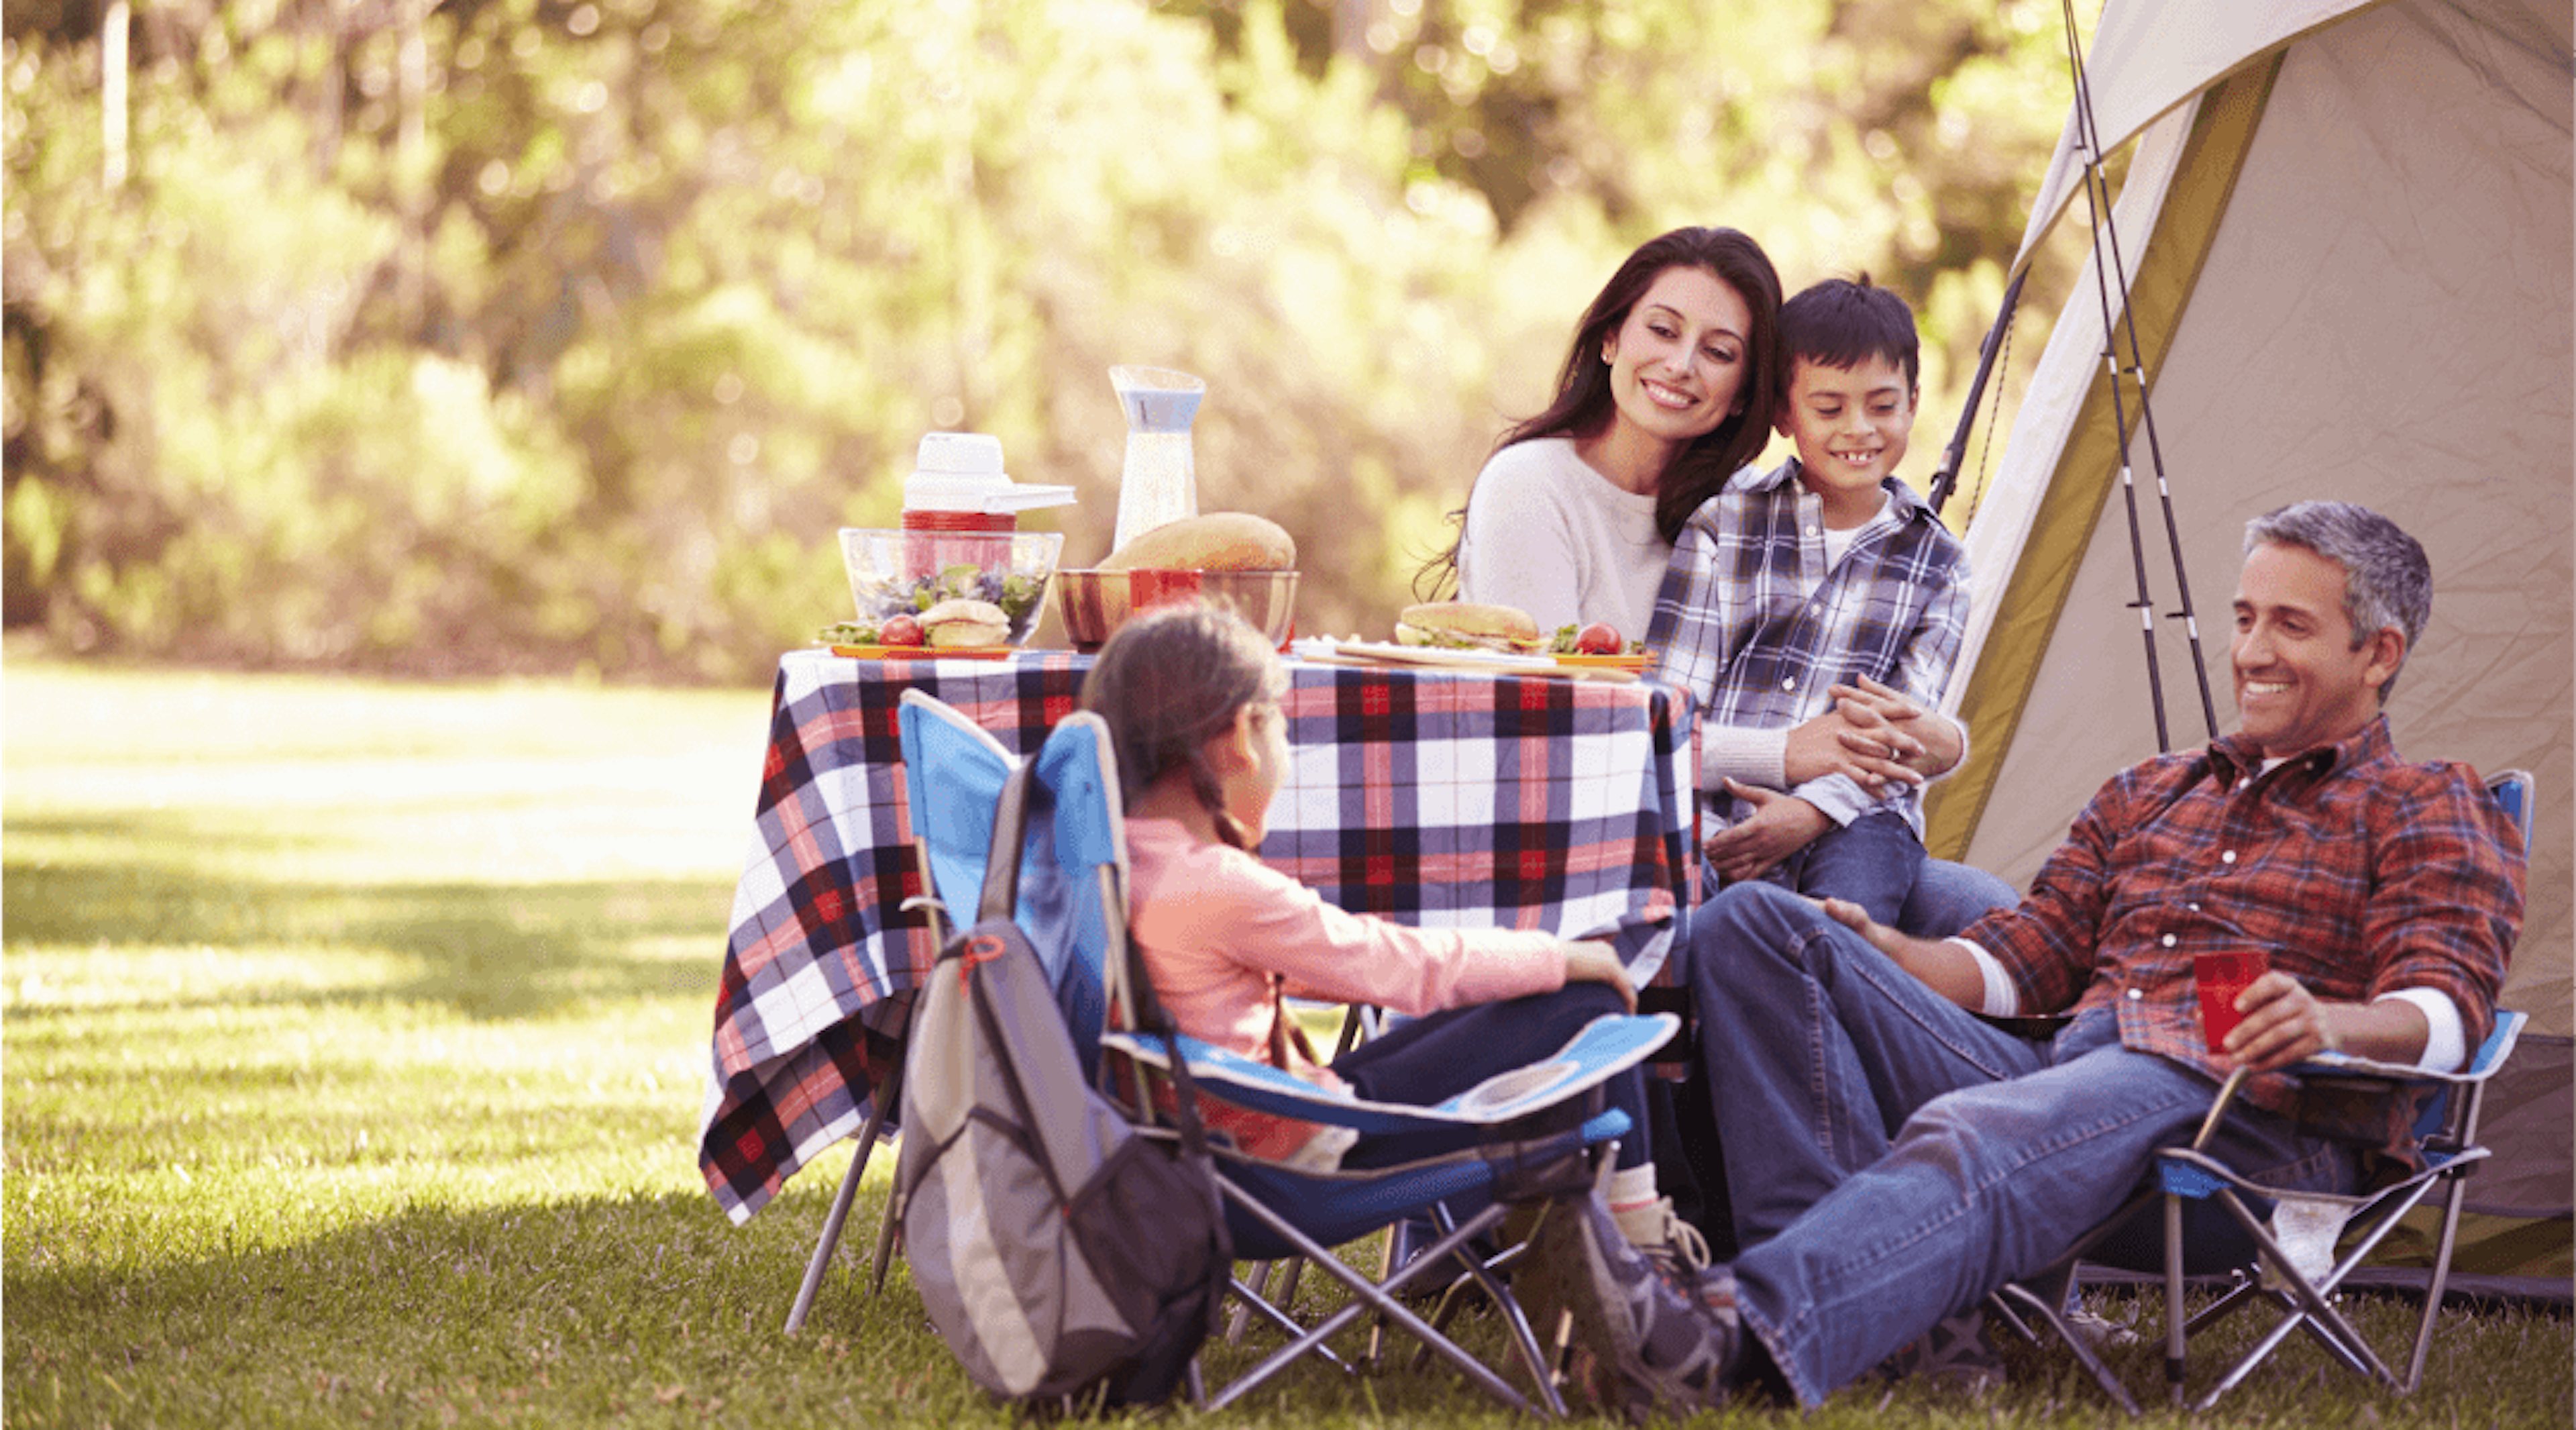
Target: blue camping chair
(2290,1252)
(1543,1133)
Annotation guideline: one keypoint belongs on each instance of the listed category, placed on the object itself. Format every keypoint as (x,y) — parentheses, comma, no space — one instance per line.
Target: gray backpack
(1062,1252)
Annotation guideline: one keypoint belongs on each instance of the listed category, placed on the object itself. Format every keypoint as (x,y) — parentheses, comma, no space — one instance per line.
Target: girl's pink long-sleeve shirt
(1216,925)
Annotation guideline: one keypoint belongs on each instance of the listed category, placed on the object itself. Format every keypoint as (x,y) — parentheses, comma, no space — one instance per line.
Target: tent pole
(2164,491)
(2106,260)
(1946,478)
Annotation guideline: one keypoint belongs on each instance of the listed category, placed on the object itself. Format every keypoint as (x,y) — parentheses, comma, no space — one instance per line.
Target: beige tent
(2346,229)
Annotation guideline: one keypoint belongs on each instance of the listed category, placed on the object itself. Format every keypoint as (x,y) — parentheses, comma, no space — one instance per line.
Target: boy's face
(1850,425)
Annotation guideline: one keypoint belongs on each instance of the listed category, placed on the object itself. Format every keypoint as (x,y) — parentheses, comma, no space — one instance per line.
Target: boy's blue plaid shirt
(1751,623)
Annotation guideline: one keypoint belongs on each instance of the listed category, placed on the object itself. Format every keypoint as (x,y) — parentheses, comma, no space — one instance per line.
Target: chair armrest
(1604,1048)
(2490,1056)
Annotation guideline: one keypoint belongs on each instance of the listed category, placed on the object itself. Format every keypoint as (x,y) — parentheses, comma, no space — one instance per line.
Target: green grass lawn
(354,1040)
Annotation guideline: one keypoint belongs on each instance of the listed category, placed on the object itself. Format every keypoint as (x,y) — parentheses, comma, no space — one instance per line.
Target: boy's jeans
(1872,861)
(1893,1159)
(1945,898)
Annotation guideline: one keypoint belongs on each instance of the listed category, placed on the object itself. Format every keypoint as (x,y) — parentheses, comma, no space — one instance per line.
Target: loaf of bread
(1215,541)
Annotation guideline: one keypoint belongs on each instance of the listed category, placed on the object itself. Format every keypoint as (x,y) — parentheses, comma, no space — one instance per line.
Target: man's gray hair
(2386,580)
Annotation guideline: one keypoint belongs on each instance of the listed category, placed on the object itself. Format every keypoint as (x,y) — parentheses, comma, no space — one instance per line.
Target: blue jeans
(1893,1159)
(1446,1053)
(1945,898)
(1948,897)
(1873,862)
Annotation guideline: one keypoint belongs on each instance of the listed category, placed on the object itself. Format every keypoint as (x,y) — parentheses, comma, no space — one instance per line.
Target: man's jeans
(1893,1159)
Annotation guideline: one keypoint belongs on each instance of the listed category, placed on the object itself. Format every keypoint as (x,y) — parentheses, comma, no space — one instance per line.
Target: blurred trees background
(479,335)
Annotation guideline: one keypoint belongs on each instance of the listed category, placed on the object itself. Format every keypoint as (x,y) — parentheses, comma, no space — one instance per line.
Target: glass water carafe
(1160,480)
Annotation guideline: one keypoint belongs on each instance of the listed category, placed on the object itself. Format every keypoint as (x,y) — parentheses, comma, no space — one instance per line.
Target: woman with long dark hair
(1669,388)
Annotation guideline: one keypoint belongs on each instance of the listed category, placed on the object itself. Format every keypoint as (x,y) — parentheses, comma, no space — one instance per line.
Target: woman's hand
(1780,825)
(1883,722)
(1589,962)
(1874,756)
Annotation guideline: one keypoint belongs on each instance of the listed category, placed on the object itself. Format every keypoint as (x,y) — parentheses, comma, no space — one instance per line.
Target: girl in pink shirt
(1191,697)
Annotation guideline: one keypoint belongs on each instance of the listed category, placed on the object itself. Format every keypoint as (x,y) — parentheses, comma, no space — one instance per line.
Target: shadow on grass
(649,1308)
(488,950)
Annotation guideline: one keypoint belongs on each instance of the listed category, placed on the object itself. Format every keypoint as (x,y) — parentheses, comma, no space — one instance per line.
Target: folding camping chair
(2282,1249)
(1542,1138)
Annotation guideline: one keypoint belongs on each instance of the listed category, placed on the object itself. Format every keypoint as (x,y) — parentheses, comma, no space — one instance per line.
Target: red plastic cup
(2221,977)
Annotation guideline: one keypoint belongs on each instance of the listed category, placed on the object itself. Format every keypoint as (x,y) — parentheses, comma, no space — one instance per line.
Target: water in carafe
(1160,481)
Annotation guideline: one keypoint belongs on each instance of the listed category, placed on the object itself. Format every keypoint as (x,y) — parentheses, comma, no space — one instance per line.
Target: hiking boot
(2100,1331)
(1635,1344)
(1675,1247)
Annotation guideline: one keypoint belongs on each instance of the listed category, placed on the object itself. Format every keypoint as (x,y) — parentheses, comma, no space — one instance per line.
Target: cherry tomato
(1598,639)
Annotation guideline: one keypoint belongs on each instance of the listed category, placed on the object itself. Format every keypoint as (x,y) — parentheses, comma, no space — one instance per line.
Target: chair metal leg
(1370,1296)
(2014,1300)
(830,1241)
(1295,1269)
(1258,1292)
(1239,1319)
(2441,1280)
(889,1230)
(2302,1304)
(2175,1327)
(888,1098)
(1251,1302)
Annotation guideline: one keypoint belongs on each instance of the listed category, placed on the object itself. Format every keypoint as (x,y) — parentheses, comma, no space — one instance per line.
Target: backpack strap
(1151,1018)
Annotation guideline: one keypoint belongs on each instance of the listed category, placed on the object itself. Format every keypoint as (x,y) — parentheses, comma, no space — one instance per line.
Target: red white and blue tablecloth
(1437,798)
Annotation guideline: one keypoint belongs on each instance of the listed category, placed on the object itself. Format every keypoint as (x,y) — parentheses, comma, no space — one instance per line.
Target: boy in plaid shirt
(1814,612)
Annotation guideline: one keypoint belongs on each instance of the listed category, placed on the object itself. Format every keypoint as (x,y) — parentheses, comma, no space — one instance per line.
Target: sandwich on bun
(1468,625)
(963,622)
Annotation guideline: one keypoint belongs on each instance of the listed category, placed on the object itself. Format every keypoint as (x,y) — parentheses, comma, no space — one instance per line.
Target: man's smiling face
(2301,682)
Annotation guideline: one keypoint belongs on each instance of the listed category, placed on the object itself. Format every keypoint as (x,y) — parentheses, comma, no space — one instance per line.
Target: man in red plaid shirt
(1892,1159)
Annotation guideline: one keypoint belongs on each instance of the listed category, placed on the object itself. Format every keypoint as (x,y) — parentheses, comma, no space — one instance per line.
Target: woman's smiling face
(1677,364)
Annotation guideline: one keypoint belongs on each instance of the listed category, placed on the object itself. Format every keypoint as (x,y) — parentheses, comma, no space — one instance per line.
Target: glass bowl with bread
(1233,559)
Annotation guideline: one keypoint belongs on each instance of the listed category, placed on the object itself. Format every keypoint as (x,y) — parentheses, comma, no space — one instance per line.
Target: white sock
(1634,1203)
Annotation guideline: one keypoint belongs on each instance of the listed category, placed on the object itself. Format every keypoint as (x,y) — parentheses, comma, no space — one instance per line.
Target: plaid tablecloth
(1436,798)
